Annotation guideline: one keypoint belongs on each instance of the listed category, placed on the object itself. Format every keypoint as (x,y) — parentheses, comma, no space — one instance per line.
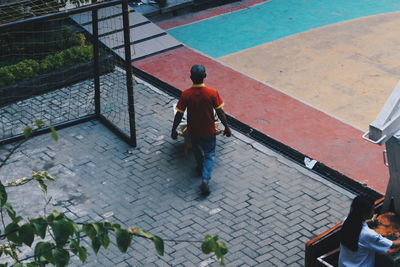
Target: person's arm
(395,243)
(224,121)
(177,120)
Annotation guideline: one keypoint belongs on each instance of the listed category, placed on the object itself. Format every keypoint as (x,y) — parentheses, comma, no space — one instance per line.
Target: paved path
(281,117)
(315,89)
(263,205)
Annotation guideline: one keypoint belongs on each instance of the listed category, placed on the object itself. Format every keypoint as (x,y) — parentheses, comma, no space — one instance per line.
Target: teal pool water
(223,35)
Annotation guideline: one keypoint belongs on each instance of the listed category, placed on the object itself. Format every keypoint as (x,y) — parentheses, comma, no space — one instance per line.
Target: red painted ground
(305,129)
(208,13)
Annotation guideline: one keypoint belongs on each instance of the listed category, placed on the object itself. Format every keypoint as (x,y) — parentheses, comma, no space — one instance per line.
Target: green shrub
(68,38)
(24,69)
(51,62)
(6,77)
(30,68)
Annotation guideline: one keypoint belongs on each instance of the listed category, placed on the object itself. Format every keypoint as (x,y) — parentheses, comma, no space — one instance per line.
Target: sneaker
(205,190)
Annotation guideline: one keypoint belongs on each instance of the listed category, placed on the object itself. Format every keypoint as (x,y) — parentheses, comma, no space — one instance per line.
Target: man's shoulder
(210,90)
(187,91)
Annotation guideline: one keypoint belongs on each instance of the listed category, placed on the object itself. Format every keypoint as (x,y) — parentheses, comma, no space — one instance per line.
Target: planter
(51,81)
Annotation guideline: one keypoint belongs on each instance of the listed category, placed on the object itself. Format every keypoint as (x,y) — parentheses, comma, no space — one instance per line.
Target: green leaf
(40,226)
(27,234)
(46,176)
(144,233)
(206,247)
(61,257)
(43,252)
(57,215)
(42,175)
(3,264)
(18,265)
(10,252)
(10,211)
(211,244)
(159,243)
(39,123)
(18,219)
(62,230)
(54,133)
(76,230)
(104,239)
(74,247)
(27,131)
(3,195)
(223,248)
(42,186)
(124,239)
(82,254)
(96,244)
(116,226)
(12,232)
(97,227)
(89,230)
(218,253)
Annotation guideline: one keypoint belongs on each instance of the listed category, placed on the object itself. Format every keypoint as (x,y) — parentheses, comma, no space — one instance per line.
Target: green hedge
(30,68)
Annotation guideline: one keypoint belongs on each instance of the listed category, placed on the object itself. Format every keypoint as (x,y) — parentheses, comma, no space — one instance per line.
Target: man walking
(200,102)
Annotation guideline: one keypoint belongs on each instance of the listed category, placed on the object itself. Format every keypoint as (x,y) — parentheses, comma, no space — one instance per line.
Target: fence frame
(124,63)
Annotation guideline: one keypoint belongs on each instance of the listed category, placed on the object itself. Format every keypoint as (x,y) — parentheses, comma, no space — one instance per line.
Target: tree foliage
(54,238)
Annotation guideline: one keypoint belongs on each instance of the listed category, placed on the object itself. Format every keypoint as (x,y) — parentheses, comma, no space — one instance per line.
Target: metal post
(128,69)
(392,197)
(96,55)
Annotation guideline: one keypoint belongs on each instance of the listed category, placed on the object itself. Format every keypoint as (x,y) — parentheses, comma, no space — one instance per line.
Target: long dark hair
(361,208)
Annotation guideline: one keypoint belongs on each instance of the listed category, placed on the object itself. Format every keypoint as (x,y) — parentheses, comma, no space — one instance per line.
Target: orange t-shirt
(200,102)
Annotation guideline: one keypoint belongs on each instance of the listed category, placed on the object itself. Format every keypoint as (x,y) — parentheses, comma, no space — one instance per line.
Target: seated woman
(359,243)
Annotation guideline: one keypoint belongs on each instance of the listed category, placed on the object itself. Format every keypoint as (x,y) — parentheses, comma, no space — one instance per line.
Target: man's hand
(177,119)
(227,132)
(174,134)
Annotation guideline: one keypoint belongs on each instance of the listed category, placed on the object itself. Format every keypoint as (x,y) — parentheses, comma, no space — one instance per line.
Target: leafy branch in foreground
(55,238)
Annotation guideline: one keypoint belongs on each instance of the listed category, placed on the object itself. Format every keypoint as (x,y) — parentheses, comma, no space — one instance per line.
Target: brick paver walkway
(264,206)
(69,103)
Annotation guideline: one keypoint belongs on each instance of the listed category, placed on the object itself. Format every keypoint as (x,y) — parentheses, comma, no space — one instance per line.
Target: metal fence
(56,68)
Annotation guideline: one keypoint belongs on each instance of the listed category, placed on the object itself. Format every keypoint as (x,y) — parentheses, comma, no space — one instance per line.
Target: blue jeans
(204,152)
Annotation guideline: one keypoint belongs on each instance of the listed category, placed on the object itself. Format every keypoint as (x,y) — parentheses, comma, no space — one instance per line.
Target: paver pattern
(315,96)
(69,103)
(264,206)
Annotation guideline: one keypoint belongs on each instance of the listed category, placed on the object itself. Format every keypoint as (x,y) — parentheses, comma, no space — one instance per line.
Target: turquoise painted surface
(229,33)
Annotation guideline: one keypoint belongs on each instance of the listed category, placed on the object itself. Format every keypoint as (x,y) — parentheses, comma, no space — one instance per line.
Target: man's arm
(222,118)
(177,120)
